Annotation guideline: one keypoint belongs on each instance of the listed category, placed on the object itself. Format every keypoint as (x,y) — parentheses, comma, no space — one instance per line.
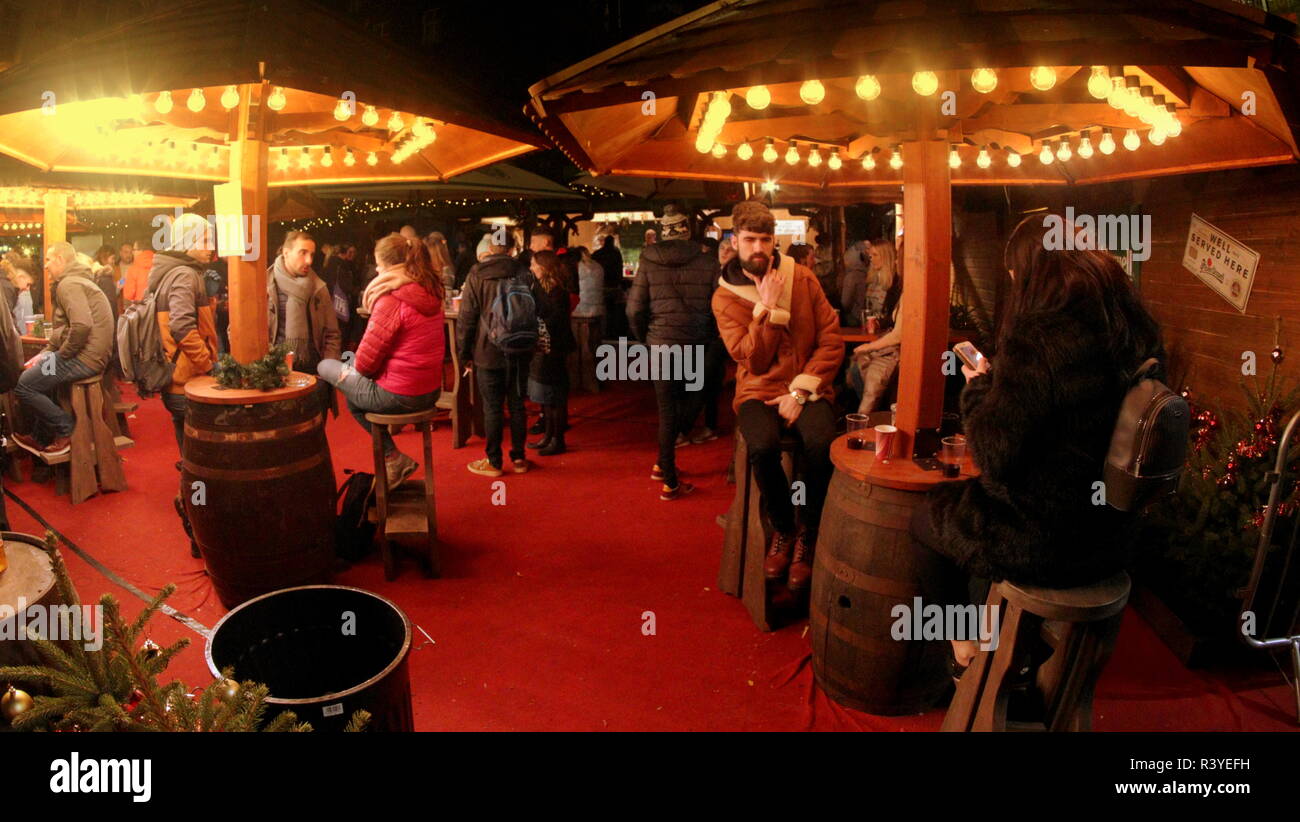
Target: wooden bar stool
(406,514)
(582,362)
(744,548)
(92,464)
(1078,624)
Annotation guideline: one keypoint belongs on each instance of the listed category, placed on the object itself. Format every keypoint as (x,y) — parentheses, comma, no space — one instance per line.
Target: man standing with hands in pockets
(784,336)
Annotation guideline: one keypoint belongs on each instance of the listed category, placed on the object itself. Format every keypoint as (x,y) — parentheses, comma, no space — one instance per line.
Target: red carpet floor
(537,621)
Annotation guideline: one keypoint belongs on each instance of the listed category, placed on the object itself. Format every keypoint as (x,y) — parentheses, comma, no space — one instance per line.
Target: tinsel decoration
(266,374)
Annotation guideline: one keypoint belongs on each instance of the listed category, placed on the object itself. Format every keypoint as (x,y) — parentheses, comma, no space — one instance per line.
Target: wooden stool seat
(92,463)
(403,419)
(406,515)
(1079,627)
(745,543)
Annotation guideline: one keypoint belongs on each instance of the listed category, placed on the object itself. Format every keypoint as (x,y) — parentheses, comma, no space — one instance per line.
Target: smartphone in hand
(970,355)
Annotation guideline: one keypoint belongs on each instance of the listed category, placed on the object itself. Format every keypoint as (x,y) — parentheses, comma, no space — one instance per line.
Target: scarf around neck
(297,327)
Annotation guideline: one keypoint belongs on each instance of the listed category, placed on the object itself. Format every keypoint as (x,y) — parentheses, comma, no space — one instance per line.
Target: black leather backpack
(1148,449)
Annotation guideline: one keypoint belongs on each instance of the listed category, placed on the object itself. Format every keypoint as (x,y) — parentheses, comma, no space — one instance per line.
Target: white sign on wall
(1220,262)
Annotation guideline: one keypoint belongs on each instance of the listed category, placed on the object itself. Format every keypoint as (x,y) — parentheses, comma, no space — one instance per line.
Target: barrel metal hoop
(858,640)
(243,474)
(287,431)
(867,582)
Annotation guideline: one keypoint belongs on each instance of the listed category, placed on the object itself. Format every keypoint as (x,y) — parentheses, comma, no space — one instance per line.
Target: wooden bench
(406,515)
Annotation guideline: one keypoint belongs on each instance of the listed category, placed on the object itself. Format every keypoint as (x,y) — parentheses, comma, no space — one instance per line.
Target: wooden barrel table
(263,513)
(27,581)
(863,568)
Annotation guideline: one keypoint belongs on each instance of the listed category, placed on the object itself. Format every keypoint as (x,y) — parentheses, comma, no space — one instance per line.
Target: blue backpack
(512,322)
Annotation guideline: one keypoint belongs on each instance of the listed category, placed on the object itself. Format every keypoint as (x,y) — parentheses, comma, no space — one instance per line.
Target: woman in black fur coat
(1038,423)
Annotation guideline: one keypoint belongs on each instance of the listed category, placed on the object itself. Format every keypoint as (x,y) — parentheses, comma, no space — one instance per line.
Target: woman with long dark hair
(548,375)
(1038,417)
(398,366)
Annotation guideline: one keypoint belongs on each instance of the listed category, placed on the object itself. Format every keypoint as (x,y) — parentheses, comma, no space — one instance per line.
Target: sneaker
(521,466)
(399,468)
(683,488)
(657,474)
(702,435)
(682,441)
(484,468)
(552,448)
(28,443)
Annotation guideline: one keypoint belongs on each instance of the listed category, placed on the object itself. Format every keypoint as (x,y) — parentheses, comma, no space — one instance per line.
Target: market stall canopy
(159,95)
(1026,92)
(500,179)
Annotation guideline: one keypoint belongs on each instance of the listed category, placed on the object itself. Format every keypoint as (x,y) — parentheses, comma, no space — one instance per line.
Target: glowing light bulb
(277,100)
(869,162)
(196,101)
(984,160)
(395,122)
(1013,159)
(342,111)
(769,153)
(792,155)
(1063,152)
(1042,77)
(719,151)
(758,97)
(925,83)
(163,103)
(1085,147)
(744,151)
(327,157)
(867,87)
(1174,127)
(304,159)
(370,117)
(1045,156)
(1156,136)
(896,160)
(954,159)
(1099,83)
(1117,93)
(282,162)
(213,158)
(812,92)
(229,98)
(835,163)
(193,159)
(814,157)
(1131,140)
(372,159)
(984,80)
(704,142)
(1107,144)
(349,159)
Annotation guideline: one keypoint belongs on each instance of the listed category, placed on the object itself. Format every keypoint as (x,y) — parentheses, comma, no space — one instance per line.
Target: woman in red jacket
(398,366)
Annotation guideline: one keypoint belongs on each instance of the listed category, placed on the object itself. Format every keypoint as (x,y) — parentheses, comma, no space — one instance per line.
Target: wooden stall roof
(1231,71)
(107,84)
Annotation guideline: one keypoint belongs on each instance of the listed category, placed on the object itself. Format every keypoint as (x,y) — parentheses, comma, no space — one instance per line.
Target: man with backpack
(496,336)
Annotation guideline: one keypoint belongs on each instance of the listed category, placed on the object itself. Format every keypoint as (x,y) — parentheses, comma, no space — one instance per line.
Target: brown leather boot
(801,563)
(778,556)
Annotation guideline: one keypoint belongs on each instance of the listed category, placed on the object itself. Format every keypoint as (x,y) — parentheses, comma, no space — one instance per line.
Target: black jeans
(508,385)
(715,371)
(761,426)
(176,404)
(677,410)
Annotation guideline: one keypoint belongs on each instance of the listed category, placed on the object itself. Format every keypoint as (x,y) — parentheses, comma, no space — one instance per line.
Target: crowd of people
(372,327)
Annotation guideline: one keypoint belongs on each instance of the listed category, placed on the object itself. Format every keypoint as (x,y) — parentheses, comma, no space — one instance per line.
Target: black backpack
(512,322)
(354,533)
(1148,448)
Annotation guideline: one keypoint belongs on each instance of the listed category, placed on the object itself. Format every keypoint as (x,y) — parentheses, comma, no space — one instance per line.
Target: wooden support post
(248,169)
(840,240)
(927,259)
(56,231)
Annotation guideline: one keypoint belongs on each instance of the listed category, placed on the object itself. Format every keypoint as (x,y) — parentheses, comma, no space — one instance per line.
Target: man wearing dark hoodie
(186,321)
(79,347)
(501,379)
(669,304)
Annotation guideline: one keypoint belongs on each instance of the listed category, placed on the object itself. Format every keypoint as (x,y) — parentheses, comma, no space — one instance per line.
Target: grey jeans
(365,395)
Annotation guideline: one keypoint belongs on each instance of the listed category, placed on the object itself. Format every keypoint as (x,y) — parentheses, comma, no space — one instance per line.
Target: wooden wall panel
(1204,334)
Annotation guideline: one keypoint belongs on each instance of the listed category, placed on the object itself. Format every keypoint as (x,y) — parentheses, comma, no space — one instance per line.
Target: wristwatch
(799,398)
